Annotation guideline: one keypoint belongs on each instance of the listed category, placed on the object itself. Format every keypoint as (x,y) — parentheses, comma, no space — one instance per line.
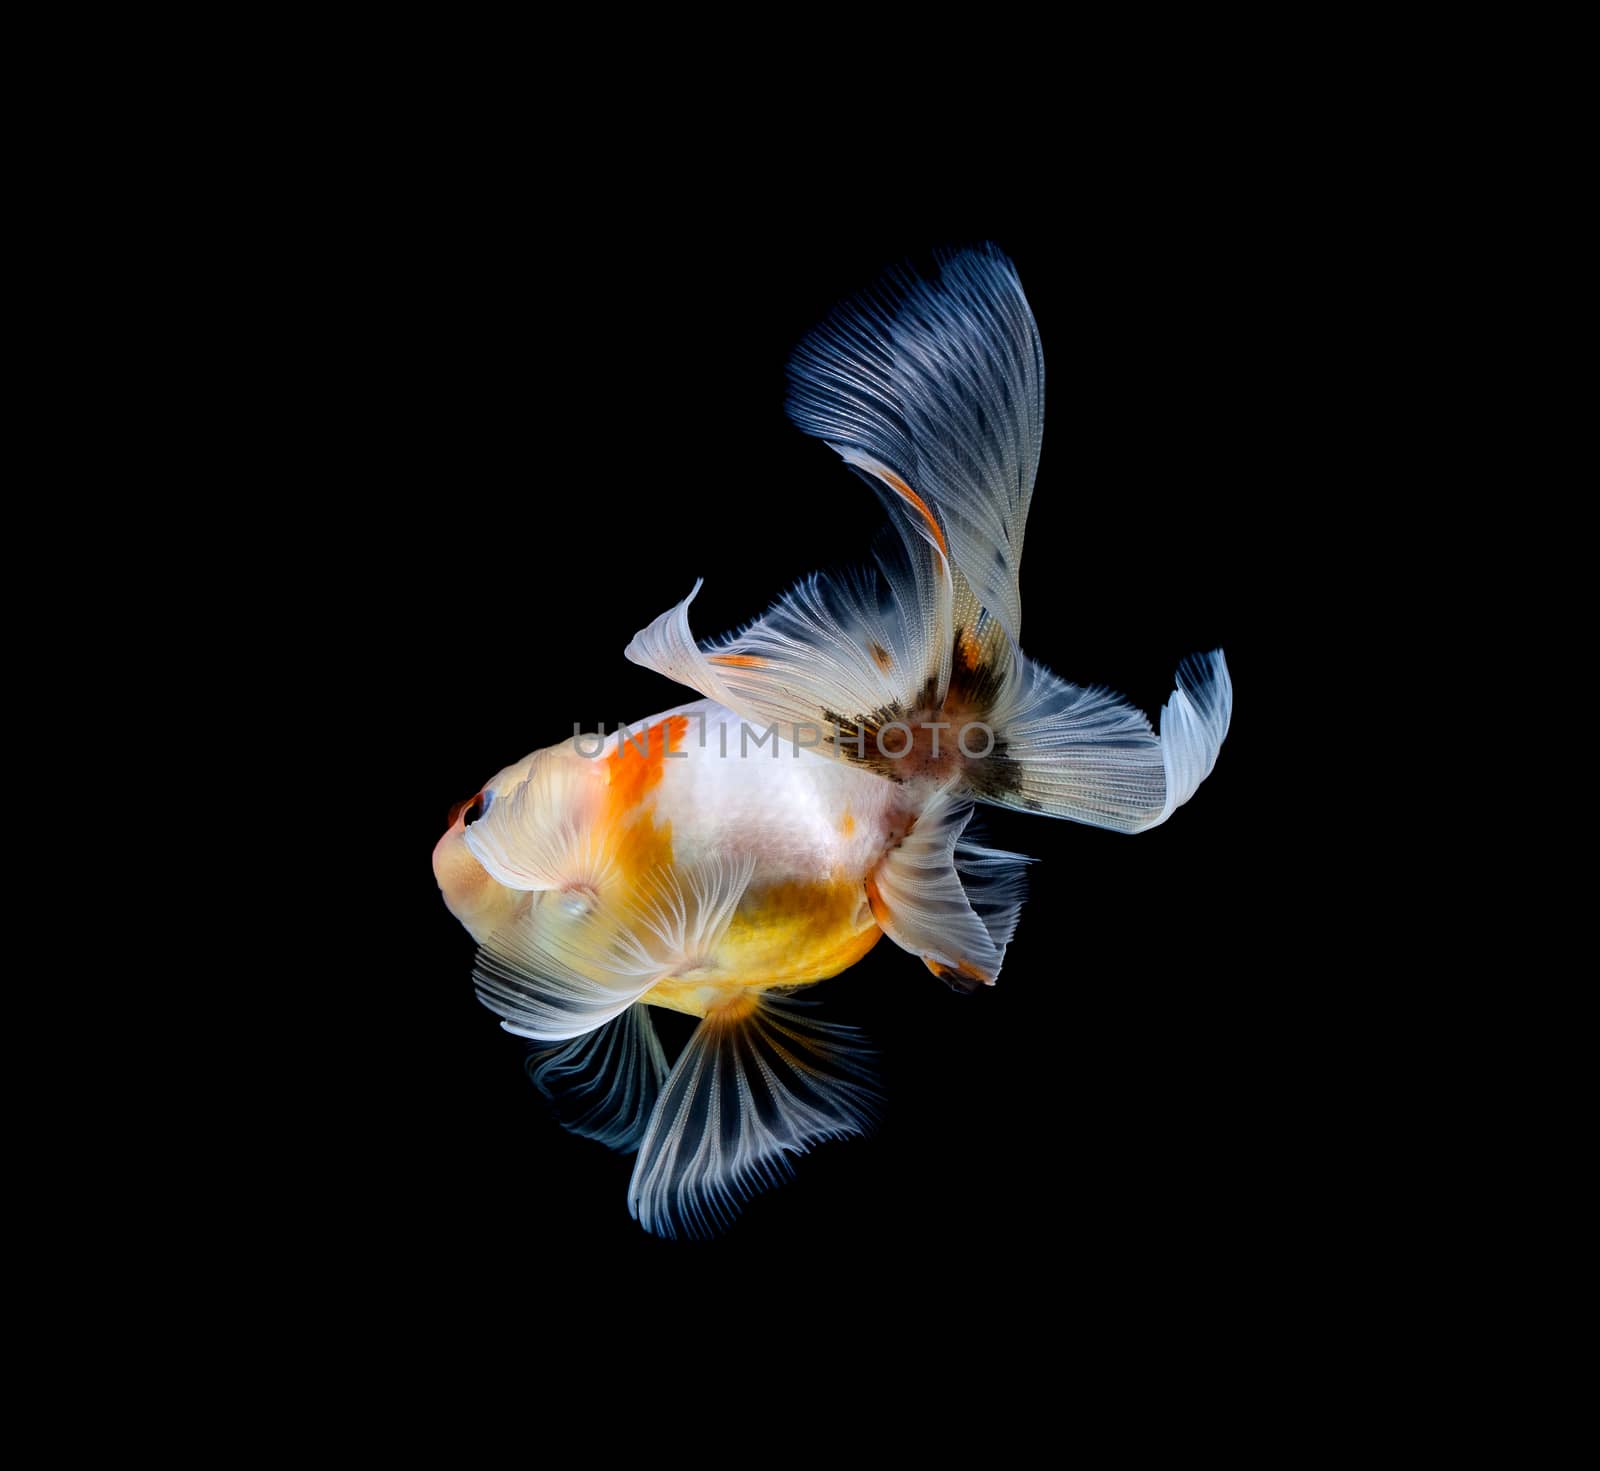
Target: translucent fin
(936,388)
(760,1080)
(842,655)
(567,965)
(668,647)
(1070,751)
(996,885)
(549,979)
(681,914)
(934,393)
(533,838)
(920,902)
(604,1085)
(1086,754)
(1194,723)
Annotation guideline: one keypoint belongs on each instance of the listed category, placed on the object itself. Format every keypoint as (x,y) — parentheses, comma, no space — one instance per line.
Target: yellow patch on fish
(784,935)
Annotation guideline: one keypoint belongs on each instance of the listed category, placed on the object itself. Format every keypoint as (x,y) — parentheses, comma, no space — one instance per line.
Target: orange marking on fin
(847,824)
(966,970)
(881,657)
(919,505)
(738,661)
(971,649)
(880,910)
(733,1009)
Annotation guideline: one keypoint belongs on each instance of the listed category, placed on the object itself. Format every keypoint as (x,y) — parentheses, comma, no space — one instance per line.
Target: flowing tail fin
(933,390)
(1086,754)
(1194,723)
(1059,750)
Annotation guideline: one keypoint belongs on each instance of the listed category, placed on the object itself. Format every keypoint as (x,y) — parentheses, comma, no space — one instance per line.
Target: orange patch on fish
(971,649)
(638,844)
(738,661)
(880,656)
(847,824)
(632,772)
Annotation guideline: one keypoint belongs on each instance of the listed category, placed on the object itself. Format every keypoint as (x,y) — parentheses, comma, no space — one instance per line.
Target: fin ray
(757,1084)
(837,653)
(1086,754)
(996,886)
(936,387)
(1194,723)
(564,967)
(922,905)
(604,1085)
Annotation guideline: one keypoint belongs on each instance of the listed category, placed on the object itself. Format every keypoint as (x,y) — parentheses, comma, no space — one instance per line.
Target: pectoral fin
(568,963)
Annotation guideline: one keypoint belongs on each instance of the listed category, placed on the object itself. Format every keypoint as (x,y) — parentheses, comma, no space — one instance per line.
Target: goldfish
(718,858)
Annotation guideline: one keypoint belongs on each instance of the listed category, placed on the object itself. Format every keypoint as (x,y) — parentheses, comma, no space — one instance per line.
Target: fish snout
(469,892)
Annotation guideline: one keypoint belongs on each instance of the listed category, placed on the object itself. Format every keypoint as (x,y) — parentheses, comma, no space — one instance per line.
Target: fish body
(719,857)
(680,790)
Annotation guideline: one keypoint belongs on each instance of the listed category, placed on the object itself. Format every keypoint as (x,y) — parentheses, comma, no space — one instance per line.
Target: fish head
(479,900)
(505,845)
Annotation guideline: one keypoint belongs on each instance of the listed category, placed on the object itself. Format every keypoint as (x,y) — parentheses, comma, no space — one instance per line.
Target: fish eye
(471,810)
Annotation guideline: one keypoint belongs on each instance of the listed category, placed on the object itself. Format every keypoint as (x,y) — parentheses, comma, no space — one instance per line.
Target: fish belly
(815,827)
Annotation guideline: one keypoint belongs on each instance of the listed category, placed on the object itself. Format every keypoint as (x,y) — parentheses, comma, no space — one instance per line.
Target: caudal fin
(1059,750)
(1086,754)
(1194,723)
(933,391)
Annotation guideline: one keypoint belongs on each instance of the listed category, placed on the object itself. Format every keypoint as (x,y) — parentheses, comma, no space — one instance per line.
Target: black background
(556,442)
